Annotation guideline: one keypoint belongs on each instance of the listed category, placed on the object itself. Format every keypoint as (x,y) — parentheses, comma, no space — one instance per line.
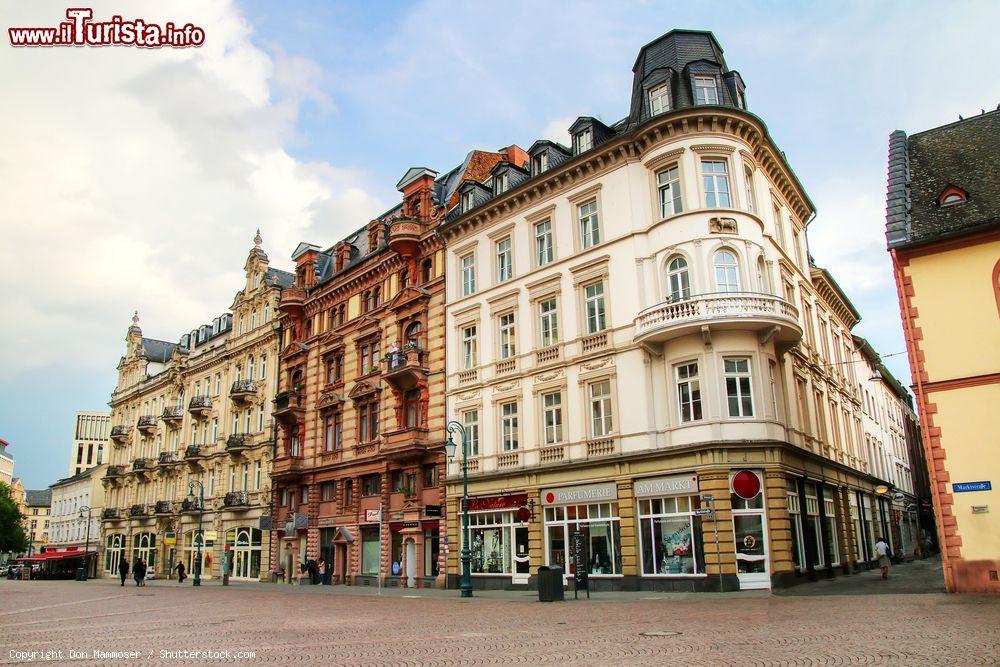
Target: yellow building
(195,416)
(943,232)
(36,508)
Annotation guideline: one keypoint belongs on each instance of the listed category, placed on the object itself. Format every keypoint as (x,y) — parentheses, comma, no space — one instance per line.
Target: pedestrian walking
(123,570)
(139,572)
(181,576)
(883,556)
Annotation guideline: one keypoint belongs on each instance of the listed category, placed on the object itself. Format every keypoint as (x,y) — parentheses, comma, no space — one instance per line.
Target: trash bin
(79,575)
(550,584)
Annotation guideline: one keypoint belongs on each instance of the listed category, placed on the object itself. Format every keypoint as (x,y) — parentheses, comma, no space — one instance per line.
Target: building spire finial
(135,318)
(257,240)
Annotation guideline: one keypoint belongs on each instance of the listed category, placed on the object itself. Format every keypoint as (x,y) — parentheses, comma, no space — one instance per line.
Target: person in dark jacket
(123,570)
(181,574)
(139,572)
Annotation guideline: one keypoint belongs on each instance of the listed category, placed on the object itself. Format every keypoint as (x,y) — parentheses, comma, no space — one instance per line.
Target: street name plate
(962,487)
(702,511)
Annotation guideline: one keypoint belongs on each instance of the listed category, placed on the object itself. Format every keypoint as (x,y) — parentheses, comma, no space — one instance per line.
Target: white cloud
(136,178)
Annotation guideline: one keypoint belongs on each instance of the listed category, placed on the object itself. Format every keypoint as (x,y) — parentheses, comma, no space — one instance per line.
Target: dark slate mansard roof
(965,154)
(38,497)
(675,58)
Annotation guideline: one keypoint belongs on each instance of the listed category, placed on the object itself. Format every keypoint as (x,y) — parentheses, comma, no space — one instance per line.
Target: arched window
(727,277)
(952,195)
(413,334)
(263,367)
(763,278)
(250,368)
(678,280)
(367,300)
(404,278)
(376,296)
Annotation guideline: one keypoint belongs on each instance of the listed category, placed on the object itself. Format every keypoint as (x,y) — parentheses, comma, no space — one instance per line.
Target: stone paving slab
(344,629)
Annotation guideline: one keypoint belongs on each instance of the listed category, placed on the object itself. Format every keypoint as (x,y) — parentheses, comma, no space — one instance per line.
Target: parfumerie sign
(674,485)
(580,494)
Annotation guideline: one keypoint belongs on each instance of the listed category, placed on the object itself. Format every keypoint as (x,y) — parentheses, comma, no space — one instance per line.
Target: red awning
(57,555)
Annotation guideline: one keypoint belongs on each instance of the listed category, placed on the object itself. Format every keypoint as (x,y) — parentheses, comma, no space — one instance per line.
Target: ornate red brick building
(360,408)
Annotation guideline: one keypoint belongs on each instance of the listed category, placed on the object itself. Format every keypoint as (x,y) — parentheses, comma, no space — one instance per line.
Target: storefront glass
(599,524)
(370,551)
(670,536)
(144,547)
(396,554)
(795,514)
(114,552)
(192,539)
(431,552)
(490,540)
(245,549)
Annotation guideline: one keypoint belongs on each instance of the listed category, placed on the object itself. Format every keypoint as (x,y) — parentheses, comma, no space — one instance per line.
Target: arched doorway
(411,563)
(114,552)
(192,539)
(144,547)
(244,552)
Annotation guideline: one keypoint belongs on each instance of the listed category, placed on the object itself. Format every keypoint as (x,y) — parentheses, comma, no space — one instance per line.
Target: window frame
(510,437)
(673,186)
(556,409)
(546,254)
(599,300)
(607,409)
(504,259)
(739,376)
(688,381)
(551,318)
(659,92)
(467,274)
(700,79)
(714,177)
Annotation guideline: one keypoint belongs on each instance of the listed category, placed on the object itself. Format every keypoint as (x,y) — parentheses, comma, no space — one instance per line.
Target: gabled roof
(302,248)
(964,154)
(38,497)
(412,174)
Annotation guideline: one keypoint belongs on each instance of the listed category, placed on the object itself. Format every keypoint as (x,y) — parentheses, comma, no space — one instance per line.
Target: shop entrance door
(520,556)
(751,551)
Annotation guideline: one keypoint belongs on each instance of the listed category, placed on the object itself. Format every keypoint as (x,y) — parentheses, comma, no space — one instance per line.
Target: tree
(12,537)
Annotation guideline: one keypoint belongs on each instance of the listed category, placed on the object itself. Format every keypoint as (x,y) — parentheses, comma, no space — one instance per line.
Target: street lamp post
(86,549)
(455,427)
(201,533)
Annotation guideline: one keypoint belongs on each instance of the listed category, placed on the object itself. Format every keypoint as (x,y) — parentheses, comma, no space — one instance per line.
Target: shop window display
(670,536)
(599,524)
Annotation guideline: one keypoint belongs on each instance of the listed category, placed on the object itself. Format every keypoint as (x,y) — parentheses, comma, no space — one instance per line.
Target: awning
(57,555)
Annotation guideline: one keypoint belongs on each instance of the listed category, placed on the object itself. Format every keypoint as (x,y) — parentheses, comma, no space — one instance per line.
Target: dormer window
(468,200)
(501,182)
(952,195)
(706,90)
(539,163)
(659,100)
(583,141)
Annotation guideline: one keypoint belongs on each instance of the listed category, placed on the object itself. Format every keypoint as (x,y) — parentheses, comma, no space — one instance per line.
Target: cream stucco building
(637,337)
(76,502)
(197,415)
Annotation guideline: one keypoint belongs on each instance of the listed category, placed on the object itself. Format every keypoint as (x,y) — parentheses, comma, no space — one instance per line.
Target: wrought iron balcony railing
(236,499)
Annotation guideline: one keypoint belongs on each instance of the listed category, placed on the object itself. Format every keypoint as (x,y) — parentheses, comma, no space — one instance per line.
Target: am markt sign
(962,487)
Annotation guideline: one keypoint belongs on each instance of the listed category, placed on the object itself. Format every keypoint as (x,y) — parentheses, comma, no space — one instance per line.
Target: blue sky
(138,177)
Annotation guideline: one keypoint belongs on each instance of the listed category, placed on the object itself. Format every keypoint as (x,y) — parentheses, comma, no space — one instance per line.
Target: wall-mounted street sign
(702,511)
(170,538)
(372,516)
(962,487)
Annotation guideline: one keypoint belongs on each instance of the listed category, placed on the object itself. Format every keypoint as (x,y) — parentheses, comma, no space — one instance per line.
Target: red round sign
(523,514)
(746,485)
(549,497)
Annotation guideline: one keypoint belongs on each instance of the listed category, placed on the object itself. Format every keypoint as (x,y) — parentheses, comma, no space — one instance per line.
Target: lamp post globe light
(449,448)
(86,548)
(201,533)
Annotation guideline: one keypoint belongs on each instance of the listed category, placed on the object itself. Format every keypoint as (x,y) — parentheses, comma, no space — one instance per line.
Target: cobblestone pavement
(324,625)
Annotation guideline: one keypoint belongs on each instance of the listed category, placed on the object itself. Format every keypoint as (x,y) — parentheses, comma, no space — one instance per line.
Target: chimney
(516,155)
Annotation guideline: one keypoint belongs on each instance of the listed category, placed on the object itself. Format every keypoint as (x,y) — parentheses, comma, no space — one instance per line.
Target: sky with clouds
(135,178)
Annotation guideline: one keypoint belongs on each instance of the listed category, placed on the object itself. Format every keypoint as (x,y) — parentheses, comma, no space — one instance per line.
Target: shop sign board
(589,493)
(581,563)
(432,510)
(666,486)
(372,516)
(211,535)
(170,538)
(495,503)
(964,487)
